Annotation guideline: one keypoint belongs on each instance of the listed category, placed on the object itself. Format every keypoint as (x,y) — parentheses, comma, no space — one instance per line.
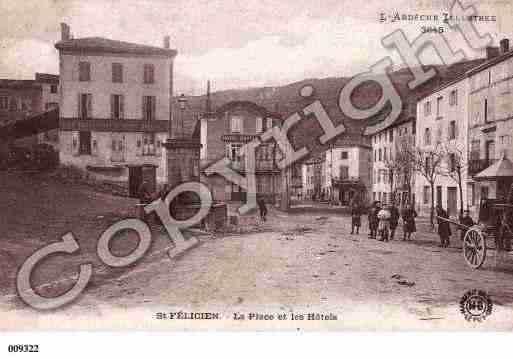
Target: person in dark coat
(394,219)
(373,218)
(467,221)
(145,197)
(356,221)
(262,207)
(444,229)
(409,226)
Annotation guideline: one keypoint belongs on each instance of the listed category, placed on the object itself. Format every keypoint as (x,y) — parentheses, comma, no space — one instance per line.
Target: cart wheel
(474,247)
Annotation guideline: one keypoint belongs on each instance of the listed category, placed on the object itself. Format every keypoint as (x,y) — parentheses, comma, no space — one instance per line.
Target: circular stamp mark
(476,305)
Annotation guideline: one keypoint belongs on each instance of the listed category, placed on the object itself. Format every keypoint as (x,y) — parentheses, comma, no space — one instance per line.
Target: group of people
(383,220)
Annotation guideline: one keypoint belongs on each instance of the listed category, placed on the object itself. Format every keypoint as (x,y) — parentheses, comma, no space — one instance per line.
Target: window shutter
(259,124)
(139,150)
(144,106)
(89,106)
(227,151)
(94,145)
(79,106)
(112,103)
(122,107)
(153,107)
(75,145)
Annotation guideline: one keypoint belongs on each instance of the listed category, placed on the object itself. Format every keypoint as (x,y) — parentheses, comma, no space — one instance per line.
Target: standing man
(409,226)
(394,219)
(444,230)
(262,207)
(356,213)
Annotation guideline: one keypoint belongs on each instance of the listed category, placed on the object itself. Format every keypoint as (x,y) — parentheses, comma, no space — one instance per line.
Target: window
(50,105)
(427,108)
(4,103)
(343,155)
(53,88)
(375,155)
(471,194)
(149,103)
(13,104)
(453,98)
(385,157)
(84,71)
(269,123)
(148,144)
(149,74)
(117,72)
(452,162)
(439,106)
(344,172)
(236,124)
(427,137)
(234,154)
(116,107)
(25,104)
(85,106)
(85,142)
(426,194)
(452,130)
(391,136)
(379,155)
(259,125)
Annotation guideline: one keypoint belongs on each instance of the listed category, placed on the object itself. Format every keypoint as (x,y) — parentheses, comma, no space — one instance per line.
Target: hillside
(286,100)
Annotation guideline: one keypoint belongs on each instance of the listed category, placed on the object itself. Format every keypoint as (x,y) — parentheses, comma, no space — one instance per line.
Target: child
(384,224)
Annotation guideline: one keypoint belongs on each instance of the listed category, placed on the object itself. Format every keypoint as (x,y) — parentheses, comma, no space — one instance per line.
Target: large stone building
(471,115)
(346,172)
(223,134)
(490,116)
(114,105)
(385,144)
(442,127)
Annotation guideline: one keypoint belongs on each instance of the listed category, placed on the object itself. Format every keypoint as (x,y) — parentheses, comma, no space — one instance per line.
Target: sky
(234,43)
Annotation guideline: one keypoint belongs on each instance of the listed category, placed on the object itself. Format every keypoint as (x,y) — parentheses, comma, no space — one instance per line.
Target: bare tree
(405,163)
(427,162)
(455,166)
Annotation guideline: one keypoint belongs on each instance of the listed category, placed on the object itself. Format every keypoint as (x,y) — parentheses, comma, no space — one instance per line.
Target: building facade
(114,105)
(385,144)
(442,126)
(224,133)
(490,121)
(346,173)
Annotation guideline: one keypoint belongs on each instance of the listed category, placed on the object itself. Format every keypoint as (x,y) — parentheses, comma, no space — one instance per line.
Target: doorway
(452,199)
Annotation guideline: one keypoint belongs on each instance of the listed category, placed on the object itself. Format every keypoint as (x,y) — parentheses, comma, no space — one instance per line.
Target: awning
(500,169)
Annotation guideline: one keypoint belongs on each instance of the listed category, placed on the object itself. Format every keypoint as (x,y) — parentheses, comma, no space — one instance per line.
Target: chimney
(504,45)
(65,35)
(166,42)
(491,52)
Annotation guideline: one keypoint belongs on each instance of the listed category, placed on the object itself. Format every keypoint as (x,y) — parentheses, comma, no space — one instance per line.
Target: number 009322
(23,348)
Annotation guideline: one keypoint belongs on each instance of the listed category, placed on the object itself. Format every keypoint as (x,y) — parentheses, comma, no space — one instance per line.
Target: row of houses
(472,116)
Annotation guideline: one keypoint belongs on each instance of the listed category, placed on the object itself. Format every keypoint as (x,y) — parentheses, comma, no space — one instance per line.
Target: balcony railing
(477,165)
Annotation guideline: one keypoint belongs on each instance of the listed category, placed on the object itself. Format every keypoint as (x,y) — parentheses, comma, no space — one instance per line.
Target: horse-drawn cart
(495,222)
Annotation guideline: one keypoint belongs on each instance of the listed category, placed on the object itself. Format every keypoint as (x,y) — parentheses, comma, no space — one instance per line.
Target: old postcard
(258,165)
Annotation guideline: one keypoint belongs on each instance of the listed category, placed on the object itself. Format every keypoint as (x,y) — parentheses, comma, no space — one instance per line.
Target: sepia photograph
(267,166)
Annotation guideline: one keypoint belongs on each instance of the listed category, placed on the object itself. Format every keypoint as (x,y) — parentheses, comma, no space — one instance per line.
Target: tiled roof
(106,45)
